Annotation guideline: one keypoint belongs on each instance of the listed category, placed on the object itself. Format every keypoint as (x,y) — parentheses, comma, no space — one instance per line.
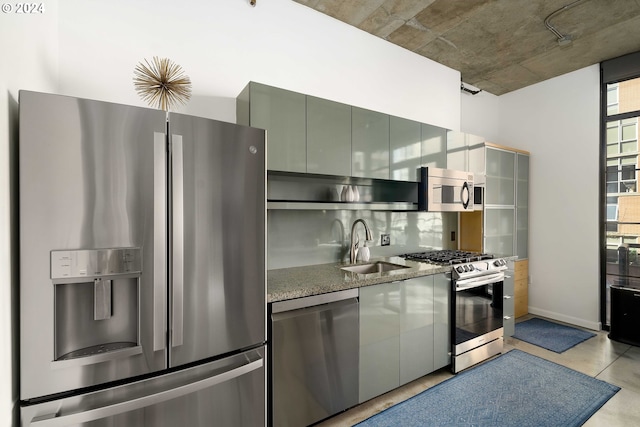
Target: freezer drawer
(315,360)
(228,392)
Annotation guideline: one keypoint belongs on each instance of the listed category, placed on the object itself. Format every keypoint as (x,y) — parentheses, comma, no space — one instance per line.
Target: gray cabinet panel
(508,309)
(416,328)
(282,114)
(522,206)
(499,230)
(500,177)
(405,149)
(379,339)
(434,146)
(442,325)
(370,144)
(328,137)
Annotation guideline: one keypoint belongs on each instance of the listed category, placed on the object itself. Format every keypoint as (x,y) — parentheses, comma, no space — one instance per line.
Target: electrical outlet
(453,236)
(385,240)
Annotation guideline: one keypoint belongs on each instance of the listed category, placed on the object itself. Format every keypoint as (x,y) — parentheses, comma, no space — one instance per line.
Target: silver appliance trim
(159,239)
(94,263)
(177,256)
(97,358)
(294,304)
(474,282)
(470,358)
(478,341)
(54,420)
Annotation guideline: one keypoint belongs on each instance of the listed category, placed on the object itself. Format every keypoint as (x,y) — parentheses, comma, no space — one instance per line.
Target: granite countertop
(297,282)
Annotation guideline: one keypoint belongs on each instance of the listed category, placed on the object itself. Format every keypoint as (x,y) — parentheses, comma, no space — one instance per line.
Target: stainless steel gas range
(476,304)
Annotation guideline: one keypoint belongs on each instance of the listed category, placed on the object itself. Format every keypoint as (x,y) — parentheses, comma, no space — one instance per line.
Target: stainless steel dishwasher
(315,355)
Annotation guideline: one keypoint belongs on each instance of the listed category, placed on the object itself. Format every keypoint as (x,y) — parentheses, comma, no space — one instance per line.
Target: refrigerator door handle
(177,263)
(145,401)
(159,239)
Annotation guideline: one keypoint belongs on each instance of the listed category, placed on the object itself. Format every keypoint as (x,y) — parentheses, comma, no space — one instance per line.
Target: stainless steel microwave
(445,190)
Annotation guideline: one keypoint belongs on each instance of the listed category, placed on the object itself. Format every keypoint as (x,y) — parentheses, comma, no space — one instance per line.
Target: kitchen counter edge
(297,282)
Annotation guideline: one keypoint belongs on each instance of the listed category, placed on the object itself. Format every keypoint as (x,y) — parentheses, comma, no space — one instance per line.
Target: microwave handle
(465,203)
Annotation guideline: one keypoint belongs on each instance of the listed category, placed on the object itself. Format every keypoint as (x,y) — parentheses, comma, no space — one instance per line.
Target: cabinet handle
(507,317)
(507,297)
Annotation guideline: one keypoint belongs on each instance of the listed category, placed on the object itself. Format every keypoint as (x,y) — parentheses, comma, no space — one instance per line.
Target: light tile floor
(598,357)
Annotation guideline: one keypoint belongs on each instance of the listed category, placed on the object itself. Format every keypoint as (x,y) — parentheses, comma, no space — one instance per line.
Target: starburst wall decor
(162,83)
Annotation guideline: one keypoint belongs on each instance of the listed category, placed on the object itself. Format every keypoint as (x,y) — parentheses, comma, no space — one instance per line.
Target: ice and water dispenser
(96,301)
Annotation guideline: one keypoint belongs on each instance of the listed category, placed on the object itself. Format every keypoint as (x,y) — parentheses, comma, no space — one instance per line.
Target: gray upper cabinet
(369,144)
(328,137)
(433,146)
(306,134)
(500,178)
(506,209)
(282,114)
(405,149)
(522,206)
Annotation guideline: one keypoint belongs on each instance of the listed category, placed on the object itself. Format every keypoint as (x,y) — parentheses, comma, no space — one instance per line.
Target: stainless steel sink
(374,267)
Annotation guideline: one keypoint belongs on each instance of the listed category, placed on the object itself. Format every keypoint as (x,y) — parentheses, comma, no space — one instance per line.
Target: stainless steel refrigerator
(142,267)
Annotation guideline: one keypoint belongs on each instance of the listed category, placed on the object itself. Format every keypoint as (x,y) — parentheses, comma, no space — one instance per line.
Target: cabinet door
(282,114)
(500,184)
(370,144)
(405,147)
(328,137)
(379,339)
(416,328)
(442,319)
(456,151)
(498,230)
(522,206)
(434,146)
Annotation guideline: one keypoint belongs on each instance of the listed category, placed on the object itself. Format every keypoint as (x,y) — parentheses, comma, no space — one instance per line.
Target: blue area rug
(514,389)
(550,335)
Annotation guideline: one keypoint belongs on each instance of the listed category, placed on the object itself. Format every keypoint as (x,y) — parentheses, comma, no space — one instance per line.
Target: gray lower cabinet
(416,328)
(442,321)
(404,332)
(379,339)
(508,308)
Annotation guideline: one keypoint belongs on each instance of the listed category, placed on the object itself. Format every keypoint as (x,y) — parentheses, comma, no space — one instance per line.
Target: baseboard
(576,321)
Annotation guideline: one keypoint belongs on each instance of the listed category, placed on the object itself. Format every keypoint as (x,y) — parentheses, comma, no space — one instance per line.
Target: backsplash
(307,237)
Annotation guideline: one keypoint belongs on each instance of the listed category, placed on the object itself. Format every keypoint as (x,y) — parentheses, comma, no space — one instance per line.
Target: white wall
(480,115)
(29,59)
(558,122)
(224,44)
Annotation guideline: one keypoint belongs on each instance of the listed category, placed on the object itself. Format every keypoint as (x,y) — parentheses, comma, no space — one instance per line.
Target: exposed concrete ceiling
(499,45)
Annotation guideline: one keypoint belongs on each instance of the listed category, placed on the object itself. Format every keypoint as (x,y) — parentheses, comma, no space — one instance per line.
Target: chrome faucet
(352,246)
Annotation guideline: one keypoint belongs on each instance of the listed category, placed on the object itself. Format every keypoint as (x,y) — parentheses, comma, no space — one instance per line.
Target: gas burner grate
(447,257)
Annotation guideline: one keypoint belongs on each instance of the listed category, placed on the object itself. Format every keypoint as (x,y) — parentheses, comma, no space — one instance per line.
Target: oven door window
(478,311)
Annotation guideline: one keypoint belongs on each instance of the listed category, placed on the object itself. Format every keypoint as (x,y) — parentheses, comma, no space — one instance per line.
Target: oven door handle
(474,282)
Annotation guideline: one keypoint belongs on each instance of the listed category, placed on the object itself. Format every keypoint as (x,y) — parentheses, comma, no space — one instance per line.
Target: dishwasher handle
(315,300)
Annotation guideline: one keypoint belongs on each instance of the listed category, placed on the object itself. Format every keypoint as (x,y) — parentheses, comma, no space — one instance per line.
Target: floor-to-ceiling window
(620,198)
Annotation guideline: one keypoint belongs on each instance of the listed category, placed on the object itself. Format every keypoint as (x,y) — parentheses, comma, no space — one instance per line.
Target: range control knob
(497,262)
(459,269)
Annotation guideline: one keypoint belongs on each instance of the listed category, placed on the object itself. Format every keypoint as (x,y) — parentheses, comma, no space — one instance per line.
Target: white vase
(356,193)
(349,194)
